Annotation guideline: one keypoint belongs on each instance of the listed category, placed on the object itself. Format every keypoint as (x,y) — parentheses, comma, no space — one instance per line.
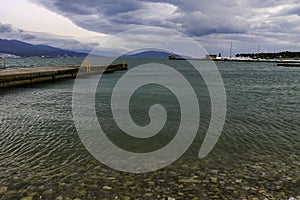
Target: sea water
(257,154)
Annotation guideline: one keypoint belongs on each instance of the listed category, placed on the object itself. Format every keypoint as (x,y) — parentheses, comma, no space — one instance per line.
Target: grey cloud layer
(198,18)
(7,31)
(4,28)
(193,17)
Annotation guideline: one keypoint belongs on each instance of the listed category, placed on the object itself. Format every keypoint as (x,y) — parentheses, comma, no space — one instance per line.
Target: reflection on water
(257,155)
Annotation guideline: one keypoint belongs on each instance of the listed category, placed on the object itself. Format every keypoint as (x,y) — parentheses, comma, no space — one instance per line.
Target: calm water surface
(257,155)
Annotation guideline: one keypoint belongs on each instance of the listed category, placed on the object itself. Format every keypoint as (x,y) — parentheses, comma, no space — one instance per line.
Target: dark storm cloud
(111,8)
(27,36)
(5,28)
(91,7)
(193,17)
(7,31)
(252,20)
(290,11)
(76,8)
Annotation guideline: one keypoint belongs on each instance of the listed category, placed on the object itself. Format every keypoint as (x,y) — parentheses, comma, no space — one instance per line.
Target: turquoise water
(257,154)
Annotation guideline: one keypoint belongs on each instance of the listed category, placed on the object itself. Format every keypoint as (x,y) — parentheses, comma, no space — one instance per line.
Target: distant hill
(148,54)
(23,49)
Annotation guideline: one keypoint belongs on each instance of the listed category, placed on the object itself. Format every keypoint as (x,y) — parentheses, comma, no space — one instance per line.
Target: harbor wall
(21,76)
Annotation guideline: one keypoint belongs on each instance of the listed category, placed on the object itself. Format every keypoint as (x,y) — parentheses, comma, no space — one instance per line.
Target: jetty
(21,76)
(289,63)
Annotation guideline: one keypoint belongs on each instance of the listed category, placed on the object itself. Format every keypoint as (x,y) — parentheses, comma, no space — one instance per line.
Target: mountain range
(23,49)
(148,54)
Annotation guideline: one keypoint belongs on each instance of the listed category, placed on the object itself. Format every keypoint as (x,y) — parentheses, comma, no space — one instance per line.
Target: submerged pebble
(3,189)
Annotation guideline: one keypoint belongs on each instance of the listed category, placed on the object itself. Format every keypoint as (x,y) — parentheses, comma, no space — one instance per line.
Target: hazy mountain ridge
(148,54)
(23,49)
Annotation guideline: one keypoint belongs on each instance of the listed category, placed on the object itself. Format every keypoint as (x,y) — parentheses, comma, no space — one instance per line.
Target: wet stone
(3,189)
(129,183)
(59,198)
(246,188)
(107,187)
(239,181)
(213,179)
(148,194)
(189,180)
(48,192)
(26,198)
(230,188)
(171,198)
(127,198)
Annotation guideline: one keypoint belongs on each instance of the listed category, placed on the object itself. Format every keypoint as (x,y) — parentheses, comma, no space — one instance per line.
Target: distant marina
(212,57)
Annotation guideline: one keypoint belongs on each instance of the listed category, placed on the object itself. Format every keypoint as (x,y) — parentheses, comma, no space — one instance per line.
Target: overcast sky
(274,25)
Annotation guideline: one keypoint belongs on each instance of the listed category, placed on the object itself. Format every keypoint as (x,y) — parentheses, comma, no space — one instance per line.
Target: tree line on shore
(286,54)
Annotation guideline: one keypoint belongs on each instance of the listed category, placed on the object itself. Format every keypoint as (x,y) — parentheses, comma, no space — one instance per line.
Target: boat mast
(230,49)
(258,50)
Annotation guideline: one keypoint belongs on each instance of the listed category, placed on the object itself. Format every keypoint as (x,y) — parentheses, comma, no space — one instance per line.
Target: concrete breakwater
(20,76)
